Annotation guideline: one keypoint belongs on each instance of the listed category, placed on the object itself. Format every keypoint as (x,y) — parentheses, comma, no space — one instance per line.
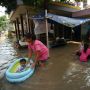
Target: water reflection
(7,53)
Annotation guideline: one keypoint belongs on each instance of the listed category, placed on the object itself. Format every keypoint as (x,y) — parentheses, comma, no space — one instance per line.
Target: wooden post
(63,32)
(22,27)
(27,21)
(47,30)
(45,4)
(18,29)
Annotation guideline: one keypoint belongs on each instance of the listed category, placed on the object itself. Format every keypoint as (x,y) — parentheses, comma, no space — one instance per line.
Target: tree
(9,4)
(3,21)
(12,4)
(37,3)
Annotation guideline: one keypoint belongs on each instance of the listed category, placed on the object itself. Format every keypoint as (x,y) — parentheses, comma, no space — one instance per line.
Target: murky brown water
(62,72)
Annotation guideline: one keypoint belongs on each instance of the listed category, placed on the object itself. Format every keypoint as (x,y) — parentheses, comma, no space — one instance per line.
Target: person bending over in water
(38,48)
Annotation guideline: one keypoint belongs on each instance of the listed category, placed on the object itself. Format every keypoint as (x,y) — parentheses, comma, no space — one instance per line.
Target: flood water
(7,53)
(63,71)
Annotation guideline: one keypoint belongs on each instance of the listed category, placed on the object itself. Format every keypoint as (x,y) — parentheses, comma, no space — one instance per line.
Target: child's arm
(37,55)
(29,53)
(18,70)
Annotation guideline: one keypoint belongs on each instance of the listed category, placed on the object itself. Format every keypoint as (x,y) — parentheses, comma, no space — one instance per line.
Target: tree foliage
(3,21)
(12,4)
(37,3)
(9,4)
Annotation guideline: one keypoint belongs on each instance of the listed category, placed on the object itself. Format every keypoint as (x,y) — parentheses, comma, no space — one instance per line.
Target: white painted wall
(88,2)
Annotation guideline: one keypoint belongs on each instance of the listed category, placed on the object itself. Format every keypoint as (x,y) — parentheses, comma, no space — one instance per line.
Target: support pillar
(22,25)
(27,21)
(17,20)
(16,30)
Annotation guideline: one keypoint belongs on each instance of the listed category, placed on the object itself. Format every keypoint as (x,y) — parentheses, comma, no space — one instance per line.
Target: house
(64,9)
(21,17)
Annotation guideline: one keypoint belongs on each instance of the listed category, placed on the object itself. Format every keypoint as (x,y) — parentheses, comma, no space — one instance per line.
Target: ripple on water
(7,54)
(78,72)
